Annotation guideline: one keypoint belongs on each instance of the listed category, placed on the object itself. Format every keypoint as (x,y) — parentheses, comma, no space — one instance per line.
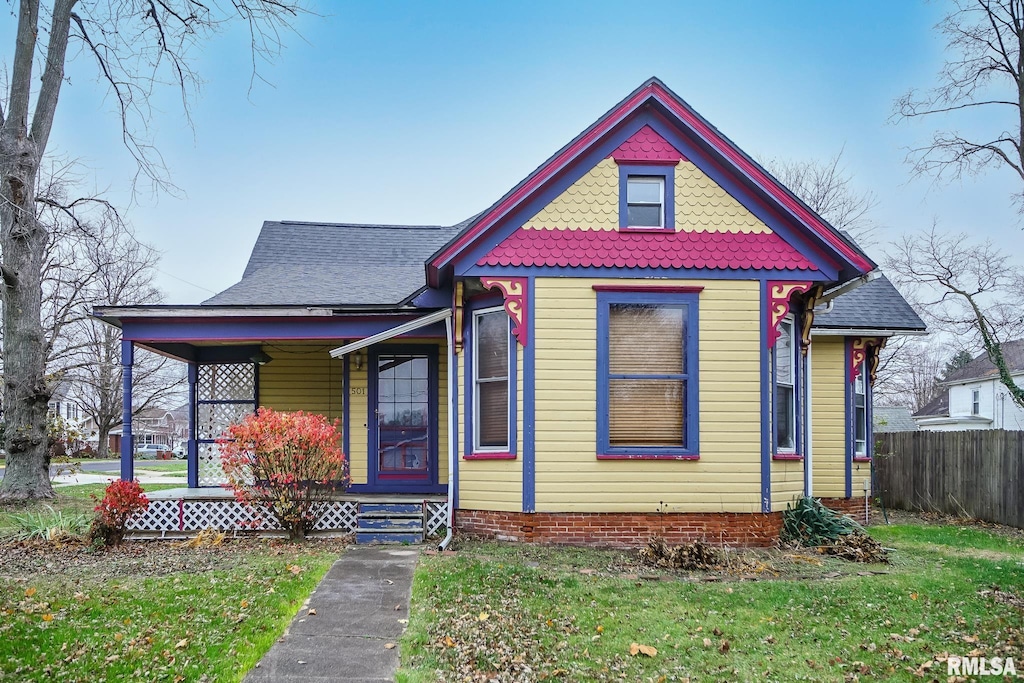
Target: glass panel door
(403,417)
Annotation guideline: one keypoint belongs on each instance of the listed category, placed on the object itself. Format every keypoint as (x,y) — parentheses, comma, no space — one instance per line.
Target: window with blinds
(785,395)
(490,380)
(647,352)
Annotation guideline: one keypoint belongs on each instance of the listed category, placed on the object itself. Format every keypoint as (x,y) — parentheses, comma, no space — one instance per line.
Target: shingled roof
(335,264)
(982,368)
(874,305)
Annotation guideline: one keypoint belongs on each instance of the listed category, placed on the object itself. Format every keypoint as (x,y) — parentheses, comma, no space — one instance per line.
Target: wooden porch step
(390,522)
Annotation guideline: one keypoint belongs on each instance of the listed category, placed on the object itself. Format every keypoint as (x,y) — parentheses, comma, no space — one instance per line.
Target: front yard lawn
(530,613)
(150,610)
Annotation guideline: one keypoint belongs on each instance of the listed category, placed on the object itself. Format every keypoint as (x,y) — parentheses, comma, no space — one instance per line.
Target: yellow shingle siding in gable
(702,205)
(571,479)
(828,416)
(490,484)
(591,202)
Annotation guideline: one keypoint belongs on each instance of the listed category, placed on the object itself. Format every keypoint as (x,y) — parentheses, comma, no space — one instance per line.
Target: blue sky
(414,112)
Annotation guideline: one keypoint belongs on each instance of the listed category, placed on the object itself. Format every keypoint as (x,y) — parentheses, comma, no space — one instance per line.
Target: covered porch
(382,374)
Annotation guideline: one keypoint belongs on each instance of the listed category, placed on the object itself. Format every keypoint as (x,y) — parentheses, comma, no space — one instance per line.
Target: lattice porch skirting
(184,518)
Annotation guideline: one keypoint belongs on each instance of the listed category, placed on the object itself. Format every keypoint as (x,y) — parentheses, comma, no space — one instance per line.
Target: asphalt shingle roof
(893,419)
(335,264)
(937,407)
(982,368)
(874,305)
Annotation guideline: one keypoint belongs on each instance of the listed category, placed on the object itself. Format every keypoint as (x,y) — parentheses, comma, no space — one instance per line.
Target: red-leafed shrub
(121,500)
(285,463)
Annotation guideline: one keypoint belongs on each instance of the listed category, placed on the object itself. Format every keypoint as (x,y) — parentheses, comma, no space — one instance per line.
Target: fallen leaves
(389,646)
(638,649)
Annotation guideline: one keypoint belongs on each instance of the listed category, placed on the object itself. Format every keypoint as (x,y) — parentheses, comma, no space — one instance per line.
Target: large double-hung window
(785,388)
(647,375)
(860,416)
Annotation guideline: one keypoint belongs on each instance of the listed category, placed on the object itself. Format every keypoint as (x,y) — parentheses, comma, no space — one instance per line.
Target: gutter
(848,286)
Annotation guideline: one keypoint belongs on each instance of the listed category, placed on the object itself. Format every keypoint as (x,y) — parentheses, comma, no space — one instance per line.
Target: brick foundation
(848,506)
(622,529)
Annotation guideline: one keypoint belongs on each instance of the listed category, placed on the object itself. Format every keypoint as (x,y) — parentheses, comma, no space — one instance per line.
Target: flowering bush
(286,463)
(121,500)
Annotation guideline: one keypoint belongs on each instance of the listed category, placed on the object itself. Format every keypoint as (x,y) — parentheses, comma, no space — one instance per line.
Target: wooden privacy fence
(979,473)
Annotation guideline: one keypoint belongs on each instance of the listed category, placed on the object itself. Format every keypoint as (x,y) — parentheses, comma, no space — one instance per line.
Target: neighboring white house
(975,398)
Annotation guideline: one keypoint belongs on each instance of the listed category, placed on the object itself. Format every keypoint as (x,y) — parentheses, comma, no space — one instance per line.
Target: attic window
(645,201)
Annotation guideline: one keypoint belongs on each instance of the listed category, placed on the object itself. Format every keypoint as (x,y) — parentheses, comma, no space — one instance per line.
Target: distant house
(150,425)
(974,398)
(888,419)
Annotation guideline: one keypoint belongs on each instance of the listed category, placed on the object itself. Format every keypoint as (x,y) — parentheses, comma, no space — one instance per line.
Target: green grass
(148,611)
(97,625)
(501,608)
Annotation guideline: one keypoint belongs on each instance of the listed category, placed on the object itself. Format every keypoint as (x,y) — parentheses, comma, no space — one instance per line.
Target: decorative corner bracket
(865,349)
(809,303)
(514,291)
(457,309)
(779,294)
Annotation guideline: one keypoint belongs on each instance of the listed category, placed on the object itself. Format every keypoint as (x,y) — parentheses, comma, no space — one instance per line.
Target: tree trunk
(25,391)
(103,447)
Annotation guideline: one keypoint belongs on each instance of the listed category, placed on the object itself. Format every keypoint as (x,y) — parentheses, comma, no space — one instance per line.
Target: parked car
(180,452)
(151,451)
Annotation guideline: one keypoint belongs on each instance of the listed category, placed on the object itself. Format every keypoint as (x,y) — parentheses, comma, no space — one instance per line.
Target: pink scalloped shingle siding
(597,248)
(647,145)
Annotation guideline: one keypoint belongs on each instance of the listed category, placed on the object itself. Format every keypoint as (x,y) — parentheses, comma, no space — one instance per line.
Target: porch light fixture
(261,357)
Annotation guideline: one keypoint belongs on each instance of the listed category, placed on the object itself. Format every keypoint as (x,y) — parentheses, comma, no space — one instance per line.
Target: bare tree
(984,72)
(827,188)
(136,46)
(979,294)
(909,372)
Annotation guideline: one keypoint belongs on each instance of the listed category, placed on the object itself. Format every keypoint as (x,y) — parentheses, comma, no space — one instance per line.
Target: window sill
(637,228)
(787,456)
(489,456)
(862,458)
(648,456)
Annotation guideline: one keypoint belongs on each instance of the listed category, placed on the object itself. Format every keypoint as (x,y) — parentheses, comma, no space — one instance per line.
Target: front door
(404,419)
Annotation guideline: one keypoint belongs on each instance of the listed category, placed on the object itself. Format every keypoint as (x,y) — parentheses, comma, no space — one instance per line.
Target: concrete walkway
(361,606)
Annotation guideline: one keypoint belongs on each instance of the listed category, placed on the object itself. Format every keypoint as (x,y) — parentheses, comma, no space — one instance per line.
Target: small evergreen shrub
(121,501)
(287,464)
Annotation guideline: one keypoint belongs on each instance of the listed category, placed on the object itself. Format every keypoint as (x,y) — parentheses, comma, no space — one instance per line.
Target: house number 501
(358,391)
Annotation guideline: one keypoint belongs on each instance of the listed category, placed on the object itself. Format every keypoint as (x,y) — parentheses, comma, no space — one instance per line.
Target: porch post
(193,446)
(127,444)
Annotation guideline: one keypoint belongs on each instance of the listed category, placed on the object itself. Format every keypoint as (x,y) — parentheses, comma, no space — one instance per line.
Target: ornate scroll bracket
(808,322)
(514,291)
(779,294)
(865,349)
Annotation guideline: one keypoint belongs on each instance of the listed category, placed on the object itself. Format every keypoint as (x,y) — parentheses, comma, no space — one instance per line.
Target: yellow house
(647,335)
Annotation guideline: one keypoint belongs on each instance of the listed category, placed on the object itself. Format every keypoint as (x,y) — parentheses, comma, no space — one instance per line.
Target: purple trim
(690,375)
(264,330)
(862,458)
(432,298)
(766,439)
(454,368)
(472,306)
(127,442)
(659,289)
(489,456)
(530,408)
(667,174)
(850,433)
(647,456)
(346,402)
(787,456)
(193,425)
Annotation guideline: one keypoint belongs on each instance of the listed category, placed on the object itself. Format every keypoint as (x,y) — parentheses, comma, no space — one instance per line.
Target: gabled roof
(984,369)
(335,264)
(875,305)
(937,407)
(893,419)
(655,94)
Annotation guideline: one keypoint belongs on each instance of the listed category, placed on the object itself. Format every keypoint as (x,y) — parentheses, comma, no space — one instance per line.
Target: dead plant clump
(689,556)
(856,546)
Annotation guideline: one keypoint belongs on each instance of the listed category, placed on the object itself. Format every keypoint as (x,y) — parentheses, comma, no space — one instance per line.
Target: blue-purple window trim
(798,432)
(667,174)
(474,306)
(691,449)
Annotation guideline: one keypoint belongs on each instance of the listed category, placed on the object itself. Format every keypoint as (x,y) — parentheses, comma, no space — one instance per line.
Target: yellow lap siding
(571,479)
(787,478)
(828,416)
(491,484)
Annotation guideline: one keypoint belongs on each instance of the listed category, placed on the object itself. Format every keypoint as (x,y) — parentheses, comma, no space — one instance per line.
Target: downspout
(452,360)
(809,429)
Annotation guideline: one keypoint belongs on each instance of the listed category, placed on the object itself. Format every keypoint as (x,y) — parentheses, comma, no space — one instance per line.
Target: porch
(184,512)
